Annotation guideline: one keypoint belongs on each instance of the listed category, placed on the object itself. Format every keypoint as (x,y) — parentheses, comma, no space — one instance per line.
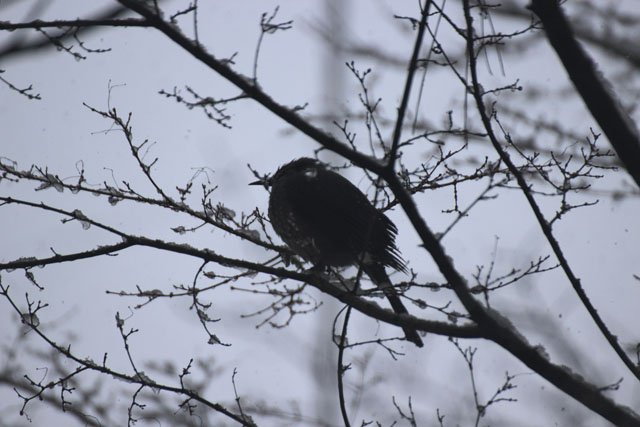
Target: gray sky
(275,366)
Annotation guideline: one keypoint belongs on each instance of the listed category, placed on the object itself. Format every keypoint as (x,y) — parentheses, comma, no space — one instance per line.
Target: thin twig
(402,110)
(342,369)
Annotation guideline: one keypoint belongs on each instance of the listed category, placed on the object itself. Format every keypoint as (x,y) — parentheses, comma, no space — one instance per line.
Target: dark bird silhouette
(328,221)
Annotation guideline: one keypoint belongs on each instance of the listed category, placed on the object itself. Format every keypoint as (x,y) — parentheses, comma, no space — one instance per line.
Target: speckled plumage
(328,221)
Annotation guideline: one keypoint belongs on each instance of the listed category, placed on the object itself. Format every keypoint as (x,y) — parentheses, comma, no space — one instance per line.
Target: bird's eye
(311,173)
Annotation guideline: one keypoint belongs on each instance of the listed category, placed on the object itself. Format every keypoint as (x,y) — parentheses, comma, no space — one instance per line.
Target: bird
(328,221)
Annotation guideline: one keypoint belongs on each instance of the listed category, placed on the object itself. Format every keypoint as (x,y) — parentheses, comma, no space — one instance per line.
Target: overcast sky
(277,366)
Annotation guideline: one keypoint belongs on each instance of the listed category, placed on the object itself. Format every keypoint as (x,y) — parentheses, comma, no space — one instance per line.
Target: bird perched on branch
(328,221)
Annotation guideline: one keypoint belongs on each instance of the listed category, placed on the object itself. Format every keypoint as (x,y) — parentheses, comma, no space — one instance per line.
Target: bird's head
(302,166)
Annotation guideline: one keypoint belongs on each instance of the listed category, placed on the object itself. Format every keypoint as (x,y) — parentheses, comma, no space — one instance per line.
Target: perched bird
(328,221)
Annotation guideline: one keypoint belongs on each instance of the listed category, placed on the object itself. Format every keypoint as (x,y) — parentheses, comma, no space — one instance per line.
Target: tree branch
(562,378)
(366,307)
(33,262)
(18,45)
(544,224)
(402,109)
(76,23)
(591,85)
(253,91)
(142,380)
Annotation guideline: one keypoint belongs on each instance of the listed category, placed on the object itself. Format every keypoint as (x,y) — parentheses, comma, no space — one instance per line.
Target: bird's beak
(266,182)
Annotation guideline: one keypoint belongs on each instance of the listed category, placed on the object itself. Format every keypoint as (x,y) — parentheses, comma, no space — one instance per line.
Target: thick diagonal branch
(594,90)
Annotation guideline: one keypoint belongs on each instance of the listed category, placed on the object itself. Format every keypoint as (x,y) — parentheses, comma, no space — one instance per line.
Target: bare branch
(595,91)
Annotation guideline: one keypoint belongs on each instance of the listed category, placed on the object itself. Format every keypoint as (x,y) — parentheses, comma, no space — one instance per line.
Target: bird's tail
(379,276)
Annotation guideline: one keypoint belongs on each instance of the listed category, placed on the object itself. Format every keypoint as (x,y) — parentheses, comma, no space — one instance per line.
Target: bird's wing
(340,216)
